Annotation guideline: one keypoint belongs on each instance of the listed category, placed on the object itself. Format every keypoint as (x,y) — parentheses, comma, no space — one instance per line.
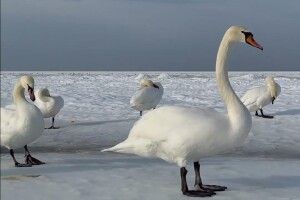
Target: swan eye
(247,34)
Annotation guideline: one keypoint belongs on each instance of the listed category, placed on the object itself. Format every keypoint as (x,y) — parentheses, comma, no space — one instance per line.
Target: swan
(258,97)
(186,134)
(22,123)
(148,96)
(49,105)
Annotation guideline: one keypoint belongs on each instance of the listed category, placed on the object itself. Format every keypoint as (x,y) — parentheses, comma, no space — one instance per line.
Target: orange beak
(250,40)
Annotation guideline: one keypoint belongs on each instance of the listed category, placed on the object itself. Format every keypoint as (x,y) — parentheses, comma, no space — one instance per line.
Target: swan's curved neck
(238,114)
(42,96)
(18,94)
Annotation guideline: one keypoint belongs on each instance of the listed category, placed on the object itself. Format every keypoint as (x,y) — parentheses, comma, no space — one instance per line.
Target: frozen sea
(97,115)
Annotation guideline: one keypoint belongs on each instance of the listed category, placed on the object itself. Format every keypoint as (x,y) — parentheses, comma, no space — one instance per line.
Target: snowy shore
(97,115)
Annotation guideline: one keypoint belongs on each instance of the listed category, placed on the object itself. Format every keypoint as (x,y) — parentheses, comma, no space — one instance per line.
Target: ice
(97,115)
(163,76)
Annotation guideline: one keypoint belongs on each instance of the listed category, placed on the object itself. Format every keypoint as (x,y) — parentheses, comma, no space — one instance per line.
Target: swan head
(27,83)
(148,83)
(241,34)
(272,87)
(45,92)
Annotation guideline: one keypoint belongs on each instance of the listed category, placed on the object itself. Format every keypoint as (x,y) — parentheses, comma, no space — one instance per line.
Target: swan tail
(139,147)
(123,147)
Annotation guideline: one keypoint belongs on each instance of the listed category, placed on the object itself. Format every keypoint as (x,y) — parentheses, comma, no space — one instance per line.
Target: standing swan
(257,98)
(148,96)
(182,134)
(49,105)
(22,125)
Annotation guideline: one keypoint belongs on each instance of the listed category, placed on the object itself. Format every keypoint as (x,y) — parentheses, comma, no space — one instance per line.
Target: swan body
(20,126)
(185,134)
(181,134)
(174,134)
(49,105)
(259,97)
(148,96)
(23,122)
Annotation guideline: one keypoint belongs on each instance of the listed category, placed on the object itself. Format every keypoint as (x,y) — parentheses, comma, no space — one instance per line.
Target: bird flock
(176,134)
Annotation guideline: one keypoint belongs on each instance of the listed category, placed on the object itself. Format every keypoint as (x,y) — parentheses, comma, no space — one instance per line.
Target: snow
(97,115)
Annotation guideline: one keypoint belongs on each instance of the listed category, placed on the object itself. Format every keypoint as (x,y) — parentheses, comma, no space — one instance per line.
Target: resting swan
(148,96)
(23,124)
(257,98)
(186,134)
(49,105)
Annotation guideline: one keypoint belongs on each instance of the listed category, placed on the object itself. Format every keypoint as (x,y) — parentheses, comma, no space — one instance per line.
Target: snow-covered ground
(97,115)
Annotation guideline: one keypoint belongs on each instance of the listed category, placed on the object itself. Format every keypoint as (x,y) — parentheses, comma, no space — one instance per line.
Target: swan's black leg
(52,126)
(31,160)
(141,113)
(17,164)
(198,181)
(192,193)
(265,116)
(256,114)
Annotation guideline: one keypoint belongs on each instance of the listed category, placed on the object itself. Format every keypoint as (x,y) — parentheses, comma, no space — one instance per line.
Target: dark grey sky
(145,34)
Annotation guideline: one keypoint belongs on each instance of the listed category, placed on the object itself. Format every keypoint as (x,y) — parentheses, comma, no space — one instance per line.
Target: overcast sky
(145,34)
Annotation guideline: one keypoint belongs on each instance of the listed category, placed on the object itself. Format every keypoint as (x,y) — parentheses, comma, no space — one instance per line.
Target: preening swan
(22,124)
(49,105)
(257,98)
(187,134)
(148,96)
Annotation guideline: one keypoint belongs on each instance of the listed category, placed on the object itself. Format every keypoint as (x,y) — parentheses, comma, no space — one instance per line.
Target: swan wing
(278,89)
(167,121)
(9,118)
(145,98)
(8,114)
(251,97)
(51,106)
(176,134)
(55,105)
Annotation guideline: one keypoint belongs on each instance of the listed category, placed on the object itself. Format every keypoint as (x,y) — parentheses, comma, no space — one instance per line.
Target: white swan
(148,96)
(257,98)
(182,134)
(22,124)
(49,105)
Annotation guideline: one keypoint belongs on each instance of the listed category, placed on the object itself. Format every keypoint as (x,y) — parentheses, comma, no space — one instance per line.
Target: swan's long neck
(238,114)
(18,94)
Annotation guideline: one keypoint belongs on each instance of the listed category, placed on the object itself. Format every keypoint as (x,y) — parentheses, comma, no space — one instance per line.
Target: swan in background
(49,105)
(187,134)
(23,123)
(258,97)
(148,96)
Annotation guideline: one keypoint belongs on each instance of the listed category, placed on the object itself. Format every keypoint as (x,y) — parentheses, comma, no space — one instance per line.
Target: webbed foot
(215,188)
(23,164)
(198,193)
(32,161)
